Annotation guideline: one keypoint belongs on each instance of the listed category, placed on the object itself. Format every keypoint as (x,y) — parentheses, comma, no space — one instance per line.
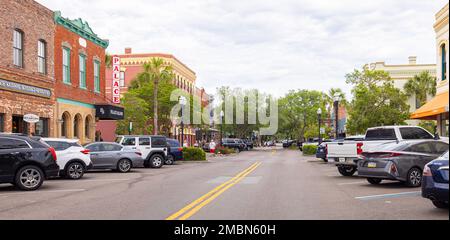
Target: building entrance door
(19,125)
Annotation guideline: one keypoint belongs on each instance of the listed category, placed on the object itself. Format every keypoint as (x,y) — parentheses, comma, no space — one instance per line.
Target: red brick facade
(93,52)
(36,23)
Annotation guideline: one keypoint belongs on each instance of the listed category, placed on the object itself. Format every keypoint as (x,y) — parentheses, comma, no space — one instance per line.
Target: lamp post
(336,99)
(222,115)
(319,116)
(182,103)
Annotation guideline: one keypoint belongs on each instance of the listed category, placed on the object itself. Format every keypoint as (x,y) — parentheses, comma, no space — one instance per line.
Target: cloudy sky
(270,45)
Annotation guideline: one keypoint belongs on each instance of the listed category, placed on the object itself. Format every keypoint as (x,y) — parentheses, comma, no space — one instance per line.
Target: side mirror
(436,136)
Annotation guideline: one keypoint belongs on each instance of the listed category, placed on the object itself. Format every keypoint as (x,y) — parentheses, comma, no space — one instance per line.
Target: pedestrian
(212,146)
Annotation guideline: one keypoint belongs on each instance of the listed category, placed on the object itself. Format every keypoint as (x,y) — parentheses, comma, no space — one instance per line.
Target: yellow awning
(436,106)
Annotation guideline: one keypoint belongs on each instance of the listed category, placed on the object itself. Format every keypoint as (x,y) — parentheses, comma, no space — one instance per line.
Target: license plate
(342,160)
(372,165)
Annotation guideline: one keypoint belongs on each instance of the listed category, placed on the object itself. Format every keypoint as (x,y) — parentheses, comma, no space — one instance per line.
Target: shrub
(309,149)
(224,150)
(293,147)
(194,154)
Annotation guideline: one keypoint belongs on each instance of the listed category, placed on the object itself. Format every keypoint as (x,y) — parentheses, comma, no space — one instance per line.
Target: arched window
(65,122)
(18,48)
(443,63)
(77,124)
(87,127)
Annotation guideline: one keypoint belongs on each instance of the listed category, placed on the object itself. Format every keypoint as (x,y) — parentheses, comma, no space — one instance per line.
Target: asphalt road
(256,185)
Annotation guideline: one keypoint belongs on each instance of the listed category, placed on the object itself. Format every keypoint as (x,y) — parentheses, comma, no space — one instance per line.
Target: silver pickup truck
(346,153)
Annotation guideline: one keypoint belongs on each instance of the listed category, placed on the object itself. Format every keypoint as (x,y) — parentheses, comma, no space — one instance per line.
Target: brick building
(80,80)
(26,67)
(185,79)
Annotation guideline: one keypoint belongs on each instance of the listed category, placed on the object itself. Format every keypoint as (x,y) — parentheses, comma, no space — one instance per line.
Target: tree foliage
(421,86)
(376,102)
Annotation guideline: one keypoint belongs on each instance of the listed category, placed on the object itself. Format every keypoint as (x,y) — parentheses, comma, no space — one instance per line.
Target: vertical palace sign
(116,80)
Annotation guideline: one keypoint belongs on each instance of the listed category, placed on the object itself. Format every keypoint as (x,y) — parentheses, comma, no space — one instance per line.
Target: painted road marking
(42,191)
(207,201)
(247,180)
(212,193)
(391,195)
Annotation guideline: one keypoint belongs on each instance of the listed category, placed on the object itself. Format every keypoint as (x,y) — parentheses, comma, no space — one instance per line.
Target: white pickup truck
(346,153)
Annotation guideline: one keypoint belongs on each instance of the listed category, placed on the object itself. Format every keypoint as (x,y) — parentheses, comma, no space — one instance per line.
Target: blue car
(175,153)
(435,181)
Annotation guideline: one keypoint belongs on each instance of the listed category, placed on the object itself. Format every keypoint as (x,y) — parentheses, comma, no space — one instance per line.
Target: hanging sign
(116,80)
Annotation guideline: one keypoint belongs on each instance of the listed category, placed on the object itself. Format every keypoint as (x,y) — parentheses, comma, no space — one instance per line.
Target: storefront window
(77,126)
(19,125)
(41,128)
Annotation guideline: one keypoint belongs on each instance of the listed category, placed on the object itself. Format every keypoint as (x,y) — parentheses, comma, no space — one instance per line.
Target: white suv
(73,159)
(154,149)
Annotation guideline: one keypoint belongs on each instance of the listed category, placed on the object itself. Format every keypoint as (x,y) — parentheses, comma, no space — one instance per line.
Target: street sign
(31,118)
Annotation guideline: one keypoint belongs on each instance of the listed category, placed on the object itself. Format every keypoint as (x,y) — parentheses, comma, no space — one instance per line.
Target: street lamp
(336,100)
(182,103)
(222,115)
(319,116)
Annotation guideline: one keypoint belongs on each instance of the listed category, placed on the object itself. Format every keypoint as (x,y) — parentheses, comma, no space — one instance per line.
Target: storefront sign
(31,118)
(116,80)
(26,89)
(109,112)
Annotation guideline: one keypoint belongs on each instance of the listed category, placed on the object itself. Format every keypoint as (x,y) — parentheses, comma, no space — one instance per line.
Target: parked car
(154,149)
(402,161)
(175,152)
(73,159)
(322,150)
(106,155)
(234,143)
(435,181)
(345,153)
(25,162)
(249,143)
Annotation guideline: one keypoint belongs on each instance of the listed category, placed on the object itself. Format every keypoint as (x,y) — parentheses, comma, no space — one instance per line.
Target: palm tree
(421,85)
(329,97)
(155,71)
(108,60)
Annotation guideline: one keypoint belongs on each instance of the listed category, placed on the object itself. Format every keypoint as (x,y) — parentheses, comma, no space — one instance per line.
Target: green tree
(137,112)
(376,102)
(155,72)
(421,86)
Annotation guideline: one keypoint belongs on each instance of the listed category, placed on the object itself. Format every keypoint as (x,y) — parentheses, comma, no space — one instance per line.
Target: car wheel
(440,204)
(156,161)
(124,165)
(414,177)
(74,171)
(29,178)
(374,181)
(347,171)
(170,160)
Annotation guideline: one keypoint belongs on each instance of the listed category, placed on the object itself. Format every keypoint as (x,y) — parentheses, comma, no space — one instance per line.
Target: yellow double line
(198,204)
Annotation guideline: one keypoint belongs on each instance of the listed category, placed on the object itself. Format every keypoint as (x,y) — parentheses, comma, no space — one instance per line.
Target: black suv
(26,162)
(237,144)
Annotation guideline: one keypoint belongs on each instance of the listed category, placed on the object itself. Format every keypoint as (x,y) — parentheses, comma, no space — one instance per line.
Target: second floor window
(122,79)
(82,65)
(18,48)
(66,65)
(96,76)
(42,57)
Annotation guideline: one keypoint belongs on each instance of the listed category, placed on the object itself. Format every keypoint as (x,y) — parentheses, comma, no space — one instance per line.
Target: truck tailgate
(342,149)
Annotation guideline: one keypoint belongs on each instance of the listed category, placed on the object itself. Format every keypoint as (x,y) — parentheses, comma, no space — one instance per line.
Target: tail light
(180,149)
(53,153)
(388,155)
(427,171)
(326,149)
(138,153)
(359,149)
(85,151)
(394,169)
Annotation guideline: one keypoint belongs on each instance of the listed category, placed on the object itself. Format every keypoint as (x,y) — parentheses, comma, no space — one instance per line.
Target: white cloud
(271,45)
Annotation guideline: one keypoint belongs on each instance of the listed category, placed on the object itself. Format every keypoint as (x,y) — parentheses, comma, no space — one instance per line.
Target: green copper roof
(81,28)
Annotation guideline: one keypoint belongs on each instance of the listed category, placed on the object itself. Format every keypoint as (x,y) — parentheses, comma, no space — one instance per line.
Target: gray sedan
(105,155)
(403,161)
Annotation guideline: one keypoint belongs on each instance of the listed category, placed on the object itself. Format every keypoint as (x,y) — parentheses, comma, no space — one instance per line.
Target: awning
(109,112)
(431,109)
